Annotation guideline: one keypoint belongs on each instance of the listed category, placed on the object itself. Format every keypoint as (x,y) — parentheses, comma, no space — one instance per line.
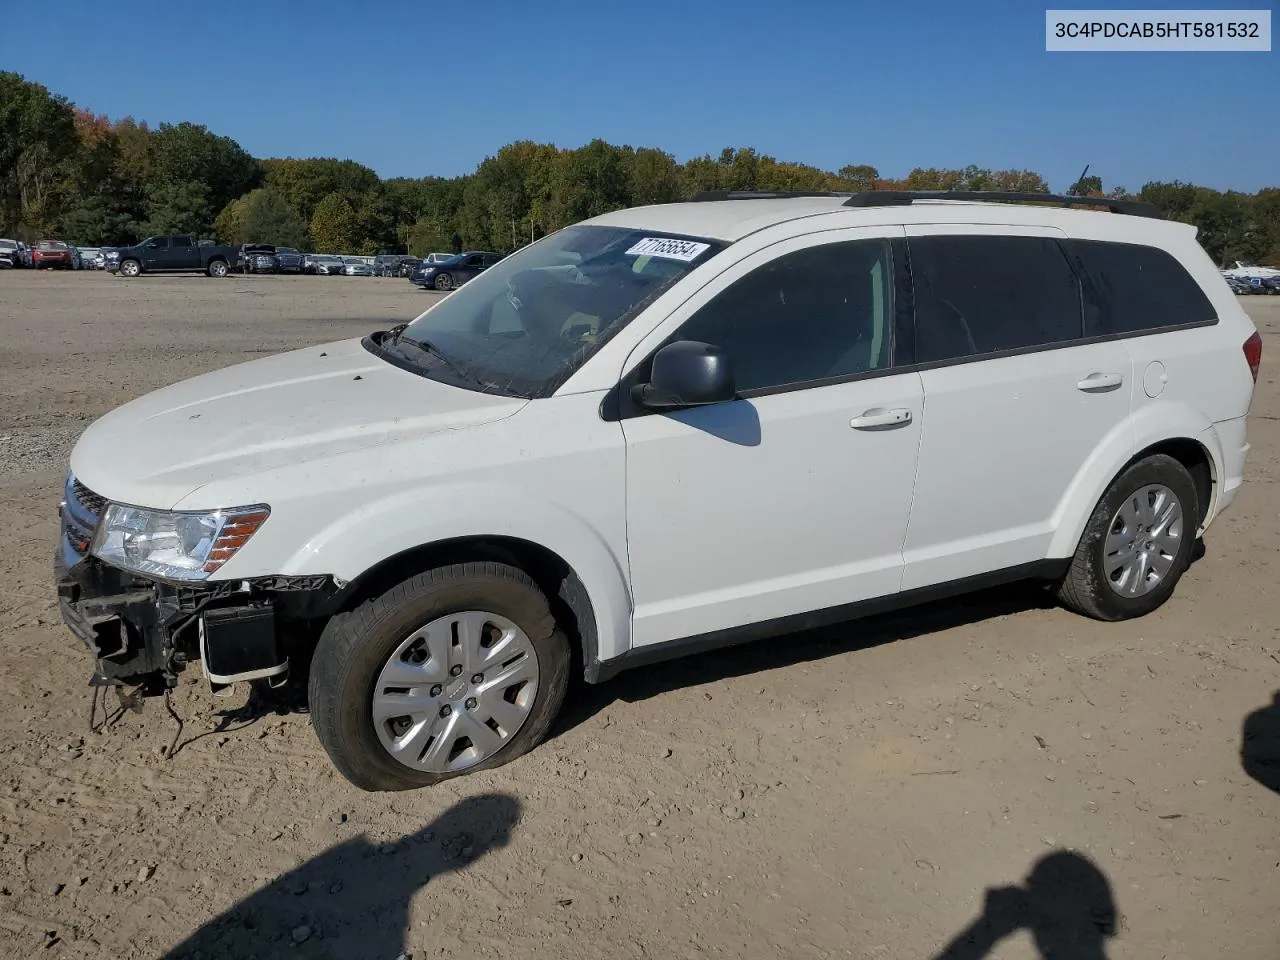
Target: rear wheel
(443,281)
(217,269)
(1136,544)
(130,268)
(458,669)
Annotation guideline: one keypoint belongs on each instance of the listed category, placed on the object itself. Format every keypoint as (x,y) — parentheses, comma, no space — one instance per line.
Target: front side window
(160,243)
(523,326)
(821,313)
(983,294)
(1133,288)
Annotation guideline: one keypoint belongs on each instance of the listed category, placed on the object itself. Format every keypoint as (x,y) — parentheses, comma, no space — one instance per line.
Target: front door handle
(1100,382)
(878,418)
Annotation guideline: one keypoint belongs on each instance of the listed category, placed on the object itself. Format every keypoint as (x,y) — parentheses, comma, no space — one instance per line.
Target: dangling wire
(93,709)
(168,705)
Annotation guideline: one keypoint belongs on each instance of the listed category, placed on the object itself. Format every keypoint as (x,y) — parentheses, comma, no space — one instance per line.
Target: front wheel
(457,669)
(443,281)
(217,269)
(130,268)
(1136,544)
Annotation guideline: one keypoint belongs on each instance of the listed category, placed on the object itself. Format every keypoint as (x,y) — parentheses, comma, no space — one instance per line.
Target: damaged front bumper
(143,632)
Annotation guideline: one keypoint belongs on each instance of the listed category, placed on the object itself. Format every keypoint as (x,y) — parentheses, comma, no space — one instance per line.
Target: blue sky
(412,89)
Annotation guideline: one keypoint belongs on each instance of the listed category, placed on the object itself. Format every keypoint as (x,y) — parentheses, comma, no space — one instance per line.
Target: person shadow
(1260,744)
(1065,904)
(353,899)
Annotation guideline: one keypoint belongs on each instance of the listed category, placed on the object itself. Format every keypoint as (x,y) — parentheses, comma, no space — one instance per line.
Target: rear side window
(1132,288)
(181,242)
(977,295)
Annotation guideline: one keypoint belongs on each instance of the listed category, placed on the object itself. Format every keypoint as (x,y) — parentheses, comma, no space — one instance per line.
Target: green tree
(37,139)
(859,177)
(229,224)
(190,153)
(96,221)
(265,216)
(305,183)
(178,208)
(333,227)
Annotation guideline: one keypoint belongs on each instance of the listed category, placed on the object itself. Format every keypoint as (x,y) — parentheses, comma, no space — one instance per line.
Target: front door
(1017,403)
(795,496)
(155,256)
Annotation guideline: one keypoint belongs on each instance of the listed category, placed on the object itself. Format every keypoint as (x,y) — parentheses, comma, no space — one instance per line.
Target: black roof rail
(706,195)
(886,198)
(894,198)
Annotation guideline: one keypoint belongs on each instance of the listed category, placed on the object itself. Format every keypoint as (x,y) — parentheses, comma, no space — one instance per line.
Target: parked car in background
(356,267)
(387,264)
(77,258)
(407,266)
(52,254)
(10,254)
(177,253)
(324,264)
(438,257)
(1240,287)
(88,258)
(289,260)
(1248,270)
(455,271)
(259,258)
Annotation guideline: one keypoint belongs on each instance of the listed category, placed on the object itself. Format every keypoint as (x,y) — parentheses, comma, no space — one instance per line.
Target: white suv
(661,430)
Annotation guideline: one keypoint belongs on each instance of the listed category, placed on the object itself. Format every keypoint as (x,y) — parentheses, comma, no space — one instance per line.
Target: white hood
(263,414)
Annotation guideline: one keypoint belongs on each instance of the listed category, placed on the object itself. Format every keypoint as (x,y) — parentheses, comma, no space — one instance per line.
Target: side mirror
(687,373)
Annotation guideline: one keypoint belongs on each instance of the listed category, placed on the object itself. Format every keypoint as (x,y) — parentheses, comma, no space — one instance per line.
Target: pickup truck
(173,254)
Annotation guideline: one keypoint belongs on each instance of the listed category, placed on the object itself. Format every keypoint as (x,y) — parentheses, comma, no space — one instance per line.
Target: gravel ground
(991,777)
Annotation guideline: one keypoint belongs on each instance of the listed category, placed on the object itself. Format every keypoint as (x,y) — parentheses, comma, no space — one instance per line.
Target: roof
(732,219)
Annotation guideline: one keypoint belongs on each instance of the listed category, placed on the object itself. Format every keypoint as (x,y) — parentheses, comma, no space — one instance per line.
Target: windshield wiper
(425,346)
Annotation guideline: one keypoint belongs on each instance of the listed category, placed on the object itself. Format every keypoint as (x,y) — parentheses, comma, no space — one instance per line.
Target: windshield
(525,324)
(52,245)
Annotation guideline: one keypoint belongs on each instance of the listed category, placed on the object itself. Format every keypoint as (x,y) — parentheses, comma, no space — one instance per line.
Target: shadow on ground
(1065,905)
(353,899)
(773,653)
(1260,745)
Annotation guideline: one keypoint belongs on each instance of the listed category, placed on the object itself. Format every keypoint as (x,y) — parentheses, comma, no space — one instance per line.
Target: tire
(130,268)
(1088,587)
(442,282)
(358,645)
(217,269)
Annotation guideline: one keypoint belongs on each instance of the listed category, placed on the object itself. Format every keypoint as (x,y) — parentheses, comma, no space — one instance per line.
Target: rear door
(1015,402)
(183,254)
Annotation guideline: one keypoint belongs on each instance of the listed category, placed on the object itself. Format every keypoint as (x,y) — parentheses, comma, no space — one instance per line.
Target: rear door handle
(878,418)
(1100,382)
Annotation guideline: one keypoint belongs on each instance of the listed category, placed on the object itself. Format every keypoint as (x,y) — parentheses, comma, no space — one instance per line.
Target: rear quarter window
(1131,288)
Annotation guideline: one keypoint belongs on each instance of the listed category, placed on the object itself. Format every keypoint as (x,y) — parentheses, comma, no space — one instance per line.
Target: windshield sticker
(685,250)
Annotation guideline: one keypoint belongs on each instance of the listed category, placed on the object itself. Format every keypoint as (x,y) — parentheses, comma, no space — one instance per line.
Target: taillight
(1253,354)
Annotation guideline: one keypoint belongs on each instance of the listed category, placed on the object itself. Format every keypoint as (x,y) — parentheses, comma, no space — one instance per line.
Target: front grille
(87,498)
(80,512)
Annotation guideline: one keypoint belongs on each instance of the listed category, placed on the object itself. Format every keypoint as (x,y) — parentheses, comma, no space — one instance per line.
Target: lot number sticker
(685,250)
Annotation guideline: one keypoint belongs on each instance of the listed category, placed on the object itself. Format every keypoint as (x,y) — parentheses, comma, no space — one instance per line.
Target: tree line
(69,173)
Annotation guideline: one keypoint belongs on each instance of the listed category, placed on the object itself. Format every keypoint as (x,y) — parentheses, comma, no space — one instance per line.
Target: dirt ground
(992,777)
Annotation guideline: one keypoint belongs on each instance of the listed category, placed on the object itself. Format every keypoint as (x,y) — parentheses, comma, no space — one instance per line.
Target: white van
(658,431)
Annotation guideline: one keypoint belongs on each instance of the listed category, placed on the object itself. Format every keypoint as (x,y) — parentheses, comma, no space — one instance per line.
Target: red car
(51,253)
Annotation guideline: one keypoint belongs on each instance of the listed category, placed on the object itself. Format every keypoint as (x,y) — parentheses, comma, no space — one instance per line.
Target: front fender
(1147,427)
(389,526)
